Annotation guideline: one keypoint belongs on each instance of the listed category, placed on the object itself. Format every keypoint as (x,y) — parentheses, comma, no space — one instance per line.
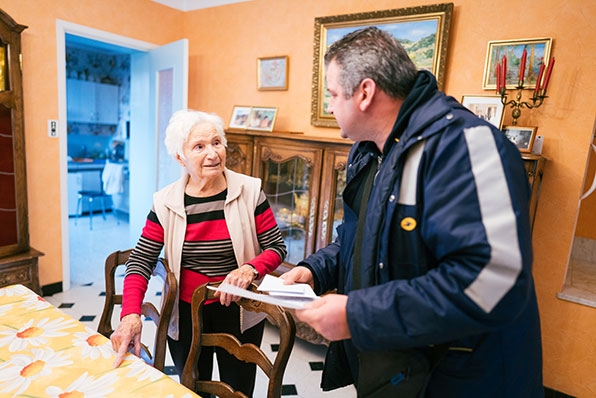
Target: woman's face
(204,151)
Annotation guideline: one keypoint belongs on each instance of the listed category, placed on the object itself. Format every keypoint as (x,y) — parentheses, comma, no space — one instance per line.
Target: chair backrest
(157,355)
(245,352)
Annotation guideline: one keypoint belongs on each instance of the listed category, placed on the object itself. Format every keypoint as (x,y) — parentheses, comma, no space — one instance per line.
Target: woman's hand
(242,278)
(126,336)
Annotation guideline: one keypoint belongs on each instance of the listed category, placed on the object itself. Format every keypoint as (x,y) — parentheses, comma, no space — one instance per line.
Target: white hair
(180,125)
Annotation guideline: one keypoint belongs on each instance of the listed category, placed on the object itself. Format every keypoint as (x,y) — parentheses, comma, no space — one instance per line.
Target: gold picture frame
(538,50)
(522,137)
(403,23)
(272,73)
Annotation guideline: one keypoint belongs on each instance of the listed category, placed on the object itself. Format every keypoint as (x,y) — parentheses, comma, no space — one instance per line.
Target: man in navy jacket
(445,252)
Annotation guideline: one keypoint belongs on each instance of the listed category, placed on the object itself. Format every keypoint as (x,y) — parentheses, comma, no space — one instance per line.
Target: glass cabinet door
(14,234)
(290,178)
(333,182)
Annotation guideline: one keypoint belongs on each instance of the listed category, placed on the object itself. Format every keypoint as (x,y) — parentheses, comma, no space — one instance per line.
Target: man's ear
(366,92)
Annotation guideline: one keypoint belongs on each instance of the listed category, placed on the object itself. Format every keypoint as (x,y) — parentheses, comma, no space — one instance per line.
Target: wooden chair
(157,355)
(245,352)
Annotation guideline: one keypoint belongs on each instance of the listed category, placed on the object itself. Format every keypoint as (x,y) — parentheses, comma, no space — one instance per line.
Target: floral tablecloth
(46,353)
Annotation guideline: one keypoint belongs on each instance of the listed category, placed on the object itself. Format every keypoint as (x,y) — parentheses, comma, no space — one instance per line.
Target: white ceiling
(189,5)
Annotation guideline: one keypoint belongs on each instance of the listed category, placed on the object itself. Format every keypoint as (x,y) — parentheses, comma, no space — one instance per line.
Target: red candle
(504,72)
(498,75)
(549,69)
(539,80)
(522,67)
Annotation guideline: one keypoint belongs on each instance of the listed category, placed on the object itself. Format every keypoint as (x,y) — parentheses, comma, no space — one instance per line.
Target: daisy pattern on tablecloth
(142,371)
(93,345)
(20,370)
(5,308)
(86,386)
(35,333)
(14,290)
(35,303)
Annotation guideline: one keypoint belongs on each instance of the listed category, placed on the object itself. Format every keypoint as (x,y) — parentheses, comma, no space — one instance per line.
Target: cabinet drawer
(23,269)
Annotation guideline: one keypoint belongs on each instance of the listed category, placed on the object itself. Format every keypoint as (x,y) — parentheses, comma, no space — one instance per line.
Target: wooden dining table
(46,353)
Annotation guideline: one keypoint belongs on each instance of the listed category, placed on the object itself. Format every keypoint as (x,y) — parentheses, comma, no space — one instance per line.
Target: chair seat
(93,194)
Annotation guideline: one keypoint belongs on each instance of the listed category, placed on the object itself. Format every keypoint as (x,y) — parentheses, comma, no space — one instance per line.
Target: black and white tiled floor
(84,301)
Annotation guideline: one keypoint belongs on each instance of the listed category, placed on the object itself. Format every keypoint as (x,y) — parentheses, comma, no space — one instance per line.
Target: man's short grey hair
(180,125)
(372,53)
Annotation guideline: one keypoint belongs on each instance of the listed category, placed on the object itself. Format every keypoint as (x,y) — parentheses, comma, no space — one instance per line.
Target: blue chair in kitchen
(91,196)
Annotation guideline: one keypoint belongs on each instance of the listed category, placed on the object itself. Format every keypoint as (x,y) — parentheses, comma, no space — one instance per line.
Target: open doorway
(98,133)
(580,277)
(149,63)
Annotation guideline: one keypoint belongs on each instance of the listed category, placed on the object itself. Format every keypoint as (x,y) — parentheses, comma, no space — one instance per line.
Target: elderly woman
(201,220)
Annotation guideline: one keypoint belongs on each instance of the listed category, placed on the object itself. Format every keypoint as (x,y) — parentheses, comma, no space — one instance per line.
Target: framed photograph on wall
(522,137)
(272,73)
(538,51)
(239,119)
(422,30)
(487,107)
(262,118)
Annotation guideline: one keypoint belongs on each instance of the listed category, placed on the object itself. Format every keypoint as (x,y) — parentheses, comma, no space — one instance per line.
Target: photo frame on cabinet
(239,119)
(538,52)
(262,118)
(272,73)
(487,107)
(426,26)
(522,137)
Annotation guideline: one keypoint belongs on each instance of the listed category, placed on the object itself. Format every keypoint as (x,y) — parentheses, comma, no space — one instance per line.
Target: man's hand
(126,336)
(327,316)
(298,275)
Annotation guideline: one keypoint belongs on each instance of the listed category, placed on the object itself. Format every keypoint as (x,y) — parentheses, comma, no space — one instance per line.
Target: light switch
(53,128)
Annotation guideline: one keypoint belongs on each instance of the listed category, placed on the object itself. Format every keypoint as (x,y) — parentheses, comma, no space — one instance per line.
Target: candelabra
(539,93)
(534,101)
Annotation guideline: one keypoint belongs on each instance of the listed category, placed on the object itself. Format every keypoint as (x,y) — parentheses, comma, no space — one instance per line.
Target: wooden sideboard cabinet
(303,178)
(18,261)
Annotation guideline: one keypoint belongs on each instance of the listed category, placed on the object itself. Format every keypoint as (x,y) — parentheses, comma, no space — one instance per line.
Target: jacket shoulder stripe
(498,216)
(409,178)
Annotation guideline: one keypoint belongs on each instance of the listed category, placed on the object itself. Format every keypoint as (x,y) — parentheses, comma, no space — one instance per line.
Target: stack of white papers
(290,296)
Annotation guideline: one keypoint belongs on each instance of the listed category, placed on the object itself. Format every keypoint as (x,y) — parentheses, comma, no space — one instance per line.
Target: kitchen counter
(88,165)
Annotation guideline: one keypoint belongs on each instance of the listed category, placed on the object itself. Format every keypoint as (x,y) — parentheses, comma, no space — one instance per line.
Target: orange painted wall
(224,45)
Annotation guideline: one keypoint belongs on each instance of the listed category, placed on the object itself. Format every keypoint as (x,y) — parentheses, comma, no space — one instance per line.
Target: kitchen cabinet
(303,178)
(18,260)
(91,102)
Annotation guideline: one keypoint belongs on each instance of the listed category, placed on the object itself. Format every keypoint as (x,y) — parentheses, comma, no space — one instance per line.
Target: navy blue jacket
(447,251)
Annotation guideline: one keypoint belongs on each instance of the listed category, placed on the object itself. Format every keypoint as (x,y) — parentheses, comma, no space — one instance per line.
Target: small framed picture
(239,119)
(487,107)
(262,118)
(272,73)
(522,137)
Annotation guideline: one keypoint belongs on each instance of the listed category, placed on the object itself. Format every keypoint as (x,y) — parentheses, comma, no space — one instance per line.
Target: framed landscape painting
(422,30)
